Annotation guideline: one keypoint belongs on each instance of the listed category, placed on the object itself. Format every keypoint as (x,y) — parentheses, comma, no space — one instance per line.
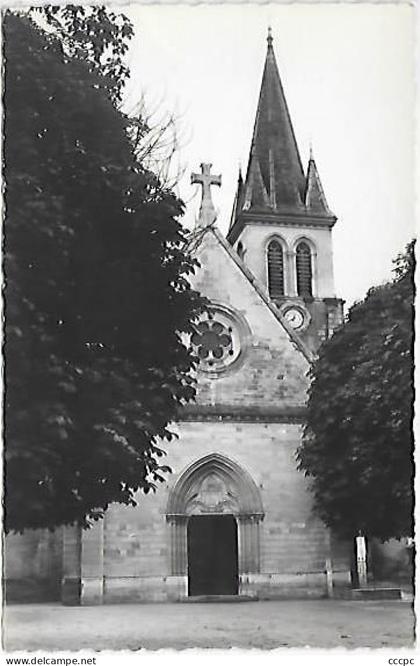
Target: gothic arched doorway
(214,511)
(212,554)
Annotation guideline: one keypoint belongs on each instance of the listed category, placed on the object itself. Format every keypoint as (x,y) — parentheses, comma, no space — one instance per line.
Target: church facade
(235,517)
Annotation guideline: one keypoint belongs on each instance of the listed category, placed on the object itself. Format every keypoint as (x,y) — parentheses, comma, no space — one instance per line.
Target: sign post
(361,560)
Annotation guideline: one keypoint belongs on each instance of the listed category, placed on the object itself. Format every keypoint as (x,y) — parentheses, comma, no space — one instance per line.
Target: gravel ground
(265,624)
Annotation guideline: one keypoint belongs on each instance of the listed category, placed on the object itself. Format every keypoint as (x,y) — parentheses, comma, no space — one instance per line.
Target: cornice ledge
(240,413)
(291,219)
(286,219)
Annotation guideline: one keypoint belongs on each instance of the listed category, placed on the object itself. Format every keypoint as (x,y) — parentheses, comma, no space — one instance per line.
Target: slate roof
(315,200)
(274,153)
(275,182)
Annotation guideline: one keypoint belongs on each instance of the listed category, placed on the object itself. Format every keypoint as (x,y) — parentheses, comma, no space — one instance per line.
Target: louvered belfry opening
(304,270)
(275,269)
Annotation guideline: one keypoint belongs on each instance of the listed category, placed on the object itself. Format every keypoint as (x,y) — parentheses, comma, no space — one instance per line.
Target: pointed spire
(239,198)
(311,152)
(256,195)
(315,200)
(240,178)
(274,152)
(276,186)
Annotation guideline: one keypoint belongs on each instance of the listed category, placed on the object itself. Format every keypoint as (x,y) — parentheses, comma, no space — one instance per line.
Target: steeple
(274,153)
(276,186)
(239,198)
(281,223)
(315,200)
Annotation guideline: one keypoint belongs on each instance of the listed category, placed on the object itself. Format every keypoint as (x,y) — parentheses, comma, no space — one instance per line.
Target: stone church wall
(33,566)
(293,543)
(269,372)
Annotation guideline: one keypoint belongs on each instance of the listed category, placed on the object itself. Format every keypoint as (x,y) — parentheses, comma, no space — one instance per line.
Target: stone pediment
(260,361)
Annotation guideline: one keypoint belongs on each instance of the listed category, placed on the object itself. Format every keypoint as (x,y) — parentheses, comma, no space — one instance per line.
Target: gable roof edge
(294,338)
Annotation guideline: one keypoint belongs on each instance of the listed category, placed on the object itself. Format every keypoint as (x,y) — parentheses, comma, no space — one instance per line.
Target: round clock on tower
(295,317)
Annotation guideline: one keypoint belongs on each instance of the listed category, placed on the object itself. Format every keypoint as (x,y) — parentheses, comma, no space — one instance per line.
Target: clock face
(294,317)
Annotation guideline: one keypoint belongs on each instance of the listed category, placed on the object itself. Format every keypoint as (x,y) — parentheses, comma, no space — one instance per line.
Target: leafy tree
(94,35)
(99,37)
(358,441)
(97,295)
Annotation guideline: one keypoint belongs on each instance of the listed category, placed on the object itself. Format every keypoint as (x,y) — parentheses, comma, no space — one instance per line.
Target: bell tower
(281,223)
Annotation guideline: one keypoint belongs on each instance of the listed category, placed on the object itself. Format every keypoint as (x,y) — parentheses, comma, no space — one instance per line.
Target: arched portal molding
(215,484)
(236,492)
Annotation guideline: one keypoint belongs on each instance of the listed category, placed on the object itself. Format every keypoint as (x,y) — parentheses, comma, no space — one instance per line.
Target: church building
(235,517)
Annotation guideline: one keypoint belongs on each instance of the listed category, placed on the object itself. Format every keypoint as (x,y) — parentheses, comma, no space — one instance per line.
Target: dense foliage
(94,35)
(97,295)
(358,441)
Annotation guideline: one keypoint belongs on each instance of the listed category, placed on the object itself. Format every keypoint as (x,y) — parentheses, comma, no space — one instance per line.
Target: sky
(348,75)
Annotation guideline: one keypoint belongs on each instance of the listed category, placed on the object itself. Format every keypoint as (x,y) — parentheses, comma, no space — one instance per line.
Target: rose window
(215,341)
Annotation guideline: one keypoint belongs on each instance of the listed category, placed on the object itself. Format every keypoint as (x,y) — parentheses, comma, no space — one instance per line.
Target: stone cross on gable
(207,214)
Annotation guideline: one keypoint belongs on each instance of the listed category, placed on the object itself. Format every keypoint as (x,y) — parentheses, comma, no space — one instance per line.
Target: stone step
(219,598)
(369,593)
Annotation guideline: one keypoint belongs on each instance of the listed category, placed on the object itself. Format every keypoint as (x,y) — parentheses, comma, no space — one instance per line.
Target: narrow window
(304,270)
(275,269)
(240,250)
